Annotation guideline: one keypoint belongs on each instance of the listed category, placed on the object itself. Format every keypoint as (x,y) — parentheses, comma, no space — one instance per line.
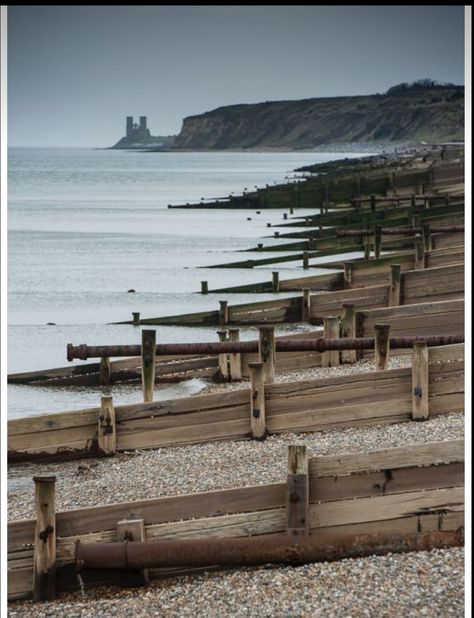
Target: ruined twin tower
(137,131)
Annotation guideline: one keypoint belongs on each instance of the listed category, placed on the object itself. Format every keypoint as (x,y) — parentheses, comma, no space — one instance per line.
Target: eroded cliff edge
(411,116)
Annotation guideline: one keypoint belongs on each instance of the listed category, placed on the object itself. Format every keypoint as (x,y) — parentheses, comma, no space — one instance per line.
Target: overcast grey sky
(74,73)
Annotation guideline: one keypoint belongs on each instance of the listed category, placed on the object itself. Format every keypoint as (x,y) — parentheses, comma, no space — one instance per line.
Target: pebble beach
(416,584)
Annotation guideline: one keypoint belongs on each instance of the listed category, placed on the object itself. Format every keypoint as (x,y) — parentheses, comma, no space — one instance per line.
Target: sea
(85,226)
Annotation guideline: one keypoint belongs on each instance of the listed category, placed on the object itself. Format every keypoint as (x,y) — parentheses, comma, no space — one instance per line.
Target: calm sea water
(85,226)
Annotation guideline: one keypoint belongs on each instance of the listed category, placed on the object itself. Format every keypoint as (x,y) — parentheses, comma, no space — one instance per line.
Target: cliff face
(430,115)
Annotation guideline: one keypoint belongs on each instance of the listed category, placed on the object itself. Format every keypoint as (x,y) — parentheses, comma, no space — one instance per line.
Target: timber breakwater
(380,354)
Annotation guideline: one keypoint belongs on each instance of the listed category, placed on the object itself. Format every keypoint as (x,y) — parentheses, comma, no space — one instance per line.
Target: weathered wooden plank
(385,507)
(399,457)
(446,353)
(190,434)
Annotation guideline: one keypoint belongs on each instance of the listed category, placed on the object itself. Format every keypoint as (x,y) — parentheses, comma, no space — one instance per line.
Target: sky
(76,72)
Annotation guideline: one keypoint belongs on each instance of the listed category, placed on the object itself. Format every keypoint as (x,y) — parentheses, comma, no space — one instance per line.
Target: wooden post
(133,530)
(44,554)
(331,331)
(427,237)
(223,313)
(366,248)
(235,366)
(420,368)
(136,318)
(305,260)
(291,211)
(107,428)
(275,281)
(394,288)
(223,371)
(258,428)
(347,275)
(416,221)
(297,491)
(413,202)
(266,350)
(148,364)
(419,253)
(348,329)
(285,215)
(372,204)
(105,373)
(204,287)
(382,346)
(377,241)
(306,305)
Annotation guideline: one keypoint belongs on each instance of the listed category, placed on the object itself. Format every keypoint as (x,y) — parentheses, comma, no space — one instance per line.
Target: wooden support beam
(305,260)
(297,491)
(347,275)
(148,364)
(331,331)
(204,287)
(107,428)
(382,346)
(419,253)
(105,373)
(416,221)
(275,281)
(235,362)
(394,289)
(306,305)
(348,329)
(377,241)
(427,237)
(372,204)
(258,428)
(223,313)
(366,248)
(223,365)
(420,368)
(133,530)
(44,554)
(266,350)
(136,318)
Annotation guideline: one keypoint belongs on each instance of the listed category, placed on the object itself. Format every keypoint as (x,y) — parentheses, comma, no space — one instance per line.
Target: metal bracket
(417,391)
(256,413)
(45,533)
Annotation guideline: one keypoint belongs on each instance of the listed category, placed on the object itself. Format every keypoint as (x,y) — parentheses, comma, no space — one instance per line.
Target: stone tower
(129,127)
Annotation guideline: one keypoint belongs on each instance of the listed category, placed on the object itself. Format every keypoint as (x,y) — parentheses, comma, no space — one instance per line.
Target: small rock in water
(249,218)
(131,291)
(51,324)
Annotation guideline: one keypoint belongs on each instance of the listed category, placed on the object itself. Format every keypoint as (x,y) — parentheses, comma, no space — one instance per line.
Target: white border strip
(3,242)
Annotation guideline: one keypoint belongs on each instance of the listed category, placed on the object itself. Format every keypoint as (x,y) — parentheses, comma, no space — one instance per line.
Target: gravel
(419,584)
(429,584)
(204,467)
(314,373)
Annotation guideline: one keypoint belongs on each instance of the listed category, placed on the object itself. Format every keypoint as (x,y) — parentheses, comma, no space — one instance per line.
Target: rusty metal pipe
(84,351)
(252,551)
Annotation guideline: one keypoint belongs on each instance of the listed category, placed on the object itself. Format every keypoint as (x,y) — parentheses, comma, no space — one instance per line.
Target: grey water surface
(85,226)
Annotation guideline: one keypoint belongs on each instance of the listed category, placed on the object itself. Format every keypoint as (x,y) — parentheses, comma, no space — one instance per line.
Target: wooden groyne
(355,493)
(379,397)
(417,172)
(439,283)
(394,499)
